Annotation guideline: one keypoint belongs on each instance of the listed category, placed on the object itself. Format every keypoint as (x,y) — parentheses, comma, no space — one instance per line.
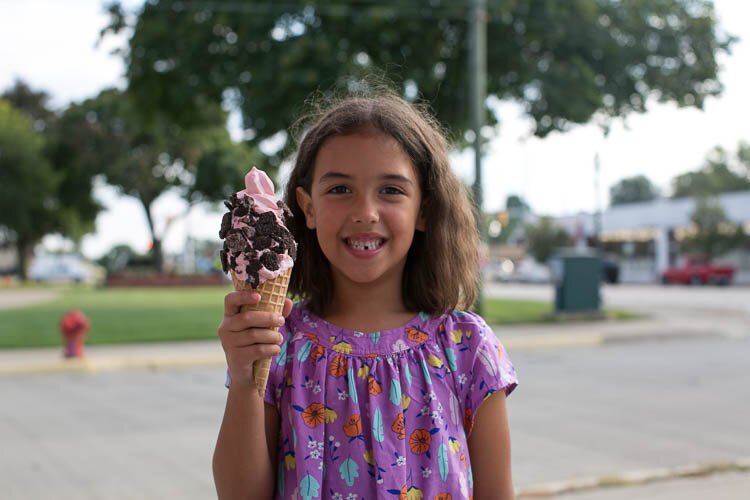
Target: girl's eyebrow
(389,177)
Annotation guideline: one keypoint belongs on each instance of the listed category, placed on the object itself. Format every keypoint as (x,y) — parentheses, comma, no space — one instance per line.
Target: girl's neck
(367,308)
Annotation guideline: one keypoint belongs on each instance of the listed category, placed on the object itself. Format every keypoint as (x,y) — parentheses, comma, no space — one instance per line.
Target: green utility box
(577,278)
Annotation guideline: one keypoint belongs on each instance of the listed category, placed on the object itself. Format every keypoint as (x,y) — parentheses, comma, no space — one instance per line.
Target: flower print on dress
(338,366)
(382,421)
(399,346)
(313,415)
(416,335)
(317,353)
(398,426)
(353,427)
(400,460)
(373,387)
(419,441)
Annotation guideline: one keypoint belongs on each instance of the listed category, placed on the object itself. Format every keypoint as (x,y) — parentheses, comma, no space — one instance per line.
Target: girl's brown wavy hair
(442,267)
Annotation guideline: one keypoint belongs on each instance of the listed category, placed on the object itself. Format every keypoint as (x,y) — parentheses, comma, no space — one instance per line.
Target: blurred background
(604,142)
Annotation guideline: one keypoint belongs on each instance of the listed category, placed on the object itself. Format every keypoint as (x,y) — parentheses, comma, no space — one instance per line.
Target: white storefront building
(644,237)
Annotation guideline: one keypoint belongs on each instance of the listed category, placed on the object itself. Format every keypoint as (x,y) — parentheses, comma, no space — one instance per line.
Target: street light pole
(598,208)
(477,95)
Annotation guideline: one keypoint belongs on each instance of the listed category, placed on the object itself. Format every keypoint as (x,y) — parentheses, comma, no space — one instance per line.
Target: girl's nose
(365,211)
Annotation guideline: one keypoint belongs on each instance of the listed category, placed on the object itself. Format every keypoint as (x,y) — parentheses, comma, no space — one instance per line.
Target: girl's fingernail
(280,320)
(281,339)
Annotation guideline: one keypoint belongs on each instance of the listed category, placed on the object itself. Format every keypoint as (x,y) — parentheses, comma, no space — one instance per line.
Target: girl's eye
(339,190)
(392,190)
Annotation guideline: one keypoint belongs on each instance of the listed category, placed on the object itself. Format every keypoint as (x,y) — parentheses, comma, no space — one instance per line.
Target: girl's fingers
(251,319)
(250,337)
(233,301)
(287,307)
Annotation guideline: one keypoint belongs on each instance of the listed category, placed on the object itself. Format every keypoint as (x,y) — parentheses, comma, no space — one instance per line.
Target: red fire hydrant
(74,326)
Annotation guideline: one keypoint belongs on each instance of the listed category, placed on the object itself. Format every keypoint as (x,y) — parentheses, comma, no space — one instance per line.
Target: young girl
(382,385)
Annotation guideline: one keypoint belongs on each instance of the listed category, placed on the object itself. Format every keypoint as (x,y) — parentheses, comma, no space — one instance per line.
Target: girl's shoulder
(463,319)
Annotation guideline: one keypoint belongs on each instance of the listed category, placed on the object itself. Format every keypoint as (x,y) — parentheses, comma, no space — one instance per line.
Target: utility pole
(598,208)
(477,95)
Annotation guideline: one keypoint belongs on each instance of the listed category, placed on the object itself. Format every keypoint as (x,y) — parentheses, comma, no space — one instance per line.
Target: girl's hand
(248,336)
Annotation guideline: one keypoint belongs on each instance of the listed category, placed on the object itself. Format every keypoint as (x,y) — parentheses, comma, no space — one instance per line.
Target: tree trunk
(155,242)
(24,251)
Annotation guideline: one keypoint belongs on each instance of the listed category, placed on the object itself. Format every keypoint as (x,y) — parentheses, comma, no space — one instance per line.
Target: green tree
(28,185)
(544,237)
(34,104)
(720,173)
(76,207)
(713,233)
(632,190)
(145,156)
(568,62)
(516,205)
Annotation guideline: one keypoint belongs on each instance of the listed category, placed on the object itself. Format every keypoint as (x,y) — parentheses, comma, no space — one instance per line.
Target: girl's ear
(305,203)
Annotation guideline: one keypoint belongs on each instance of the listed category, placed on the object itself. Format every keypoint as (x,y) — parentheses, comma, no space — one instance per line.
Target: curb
(91,366)
(634,478)
(109,363)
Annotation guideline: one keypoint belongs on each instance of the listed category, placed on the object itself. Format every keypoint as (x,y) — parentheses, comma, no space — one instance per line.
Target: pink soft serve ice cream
(257,245)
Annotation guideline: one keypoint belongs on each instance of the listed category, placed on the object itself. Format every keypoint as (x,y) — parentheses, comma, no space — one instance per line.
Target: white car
(531,271)
(63,268)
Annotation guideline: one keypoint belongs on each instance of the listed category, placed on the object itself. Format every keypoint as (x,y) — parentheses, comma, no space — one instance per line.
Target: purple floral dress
(382,415)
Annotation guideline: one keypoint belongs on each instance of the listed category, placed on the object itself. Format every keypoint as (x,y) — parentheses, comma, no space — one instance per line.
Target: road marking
(634,478)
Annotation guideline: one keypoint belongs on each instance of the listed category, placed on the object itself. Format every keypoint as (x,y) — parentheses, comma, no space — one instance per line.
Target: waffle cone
(272,297)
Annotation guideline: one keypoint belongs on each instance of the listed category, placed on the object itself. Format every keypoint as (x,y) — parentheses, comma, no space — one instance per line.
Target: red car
(698,270)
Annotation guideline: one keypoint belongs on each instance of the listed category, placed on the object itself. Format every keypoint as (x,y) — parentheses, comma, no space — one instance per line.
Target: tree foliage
(146,155)
(544,237)
(77,209)
(28,185)
(720,173)
(713,233)
(568,62)
(34,104)
(632,190)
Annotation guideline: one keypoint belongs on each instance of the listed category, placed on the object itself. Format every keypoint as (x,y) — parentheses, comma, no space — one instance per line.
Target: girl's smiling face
(364,204)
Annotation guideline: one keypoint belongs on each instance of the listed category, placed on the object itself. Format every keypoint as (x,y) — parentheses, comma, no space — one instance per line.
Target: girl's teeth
(364,245)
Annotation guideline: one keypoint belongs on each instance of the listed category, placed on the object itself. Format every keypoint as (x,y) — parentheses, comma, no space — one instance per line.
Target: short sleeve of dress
(483,365)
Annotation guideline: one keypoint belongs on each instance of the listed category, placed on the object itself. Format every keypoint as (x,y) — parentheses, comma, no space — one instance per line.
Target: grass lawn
(125,315)
(119,315)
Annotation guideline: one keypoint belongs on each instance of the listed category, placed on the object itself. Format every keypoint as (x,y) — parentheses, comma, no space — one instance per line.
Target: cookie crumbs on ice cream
(257,245)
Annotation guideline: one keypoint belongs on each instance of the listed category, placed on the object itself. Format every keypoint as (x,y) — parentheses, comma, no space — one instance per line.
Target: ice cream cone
(272,296)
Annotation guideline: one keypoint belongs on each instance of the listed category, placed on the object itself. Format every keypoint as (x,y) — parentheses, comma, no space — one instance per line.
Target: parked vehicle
(698,270)
(499,270)
(531,271)
(64,268)
(610,271)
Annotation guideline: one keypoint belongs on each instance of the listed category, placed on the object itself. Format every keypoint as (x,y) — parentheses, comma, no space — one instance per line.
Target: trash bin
(577,277)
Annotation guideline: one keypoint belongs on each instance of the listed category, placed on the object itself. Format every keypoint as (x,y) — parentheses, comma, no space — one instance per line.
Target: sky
(52,46)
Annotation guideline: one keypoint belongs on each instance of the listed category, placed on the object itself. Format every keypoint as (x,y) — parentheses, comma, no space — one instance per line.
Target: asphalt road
(579,412)
(623,407)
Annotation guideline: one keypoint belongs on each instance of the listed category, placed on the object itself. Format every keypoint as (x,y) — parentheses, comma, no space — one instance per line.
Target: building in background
(644,237)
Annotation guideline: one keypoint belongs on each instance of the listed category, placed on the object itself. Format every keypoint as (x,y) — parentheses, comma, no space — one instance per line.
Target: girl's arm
(246,447)
(489,449)
(245,454)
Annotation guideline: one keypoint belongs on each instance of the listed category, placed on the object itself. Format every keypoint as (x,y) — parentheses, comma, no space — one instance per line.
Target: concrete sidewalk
(209,353)
(730,481)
